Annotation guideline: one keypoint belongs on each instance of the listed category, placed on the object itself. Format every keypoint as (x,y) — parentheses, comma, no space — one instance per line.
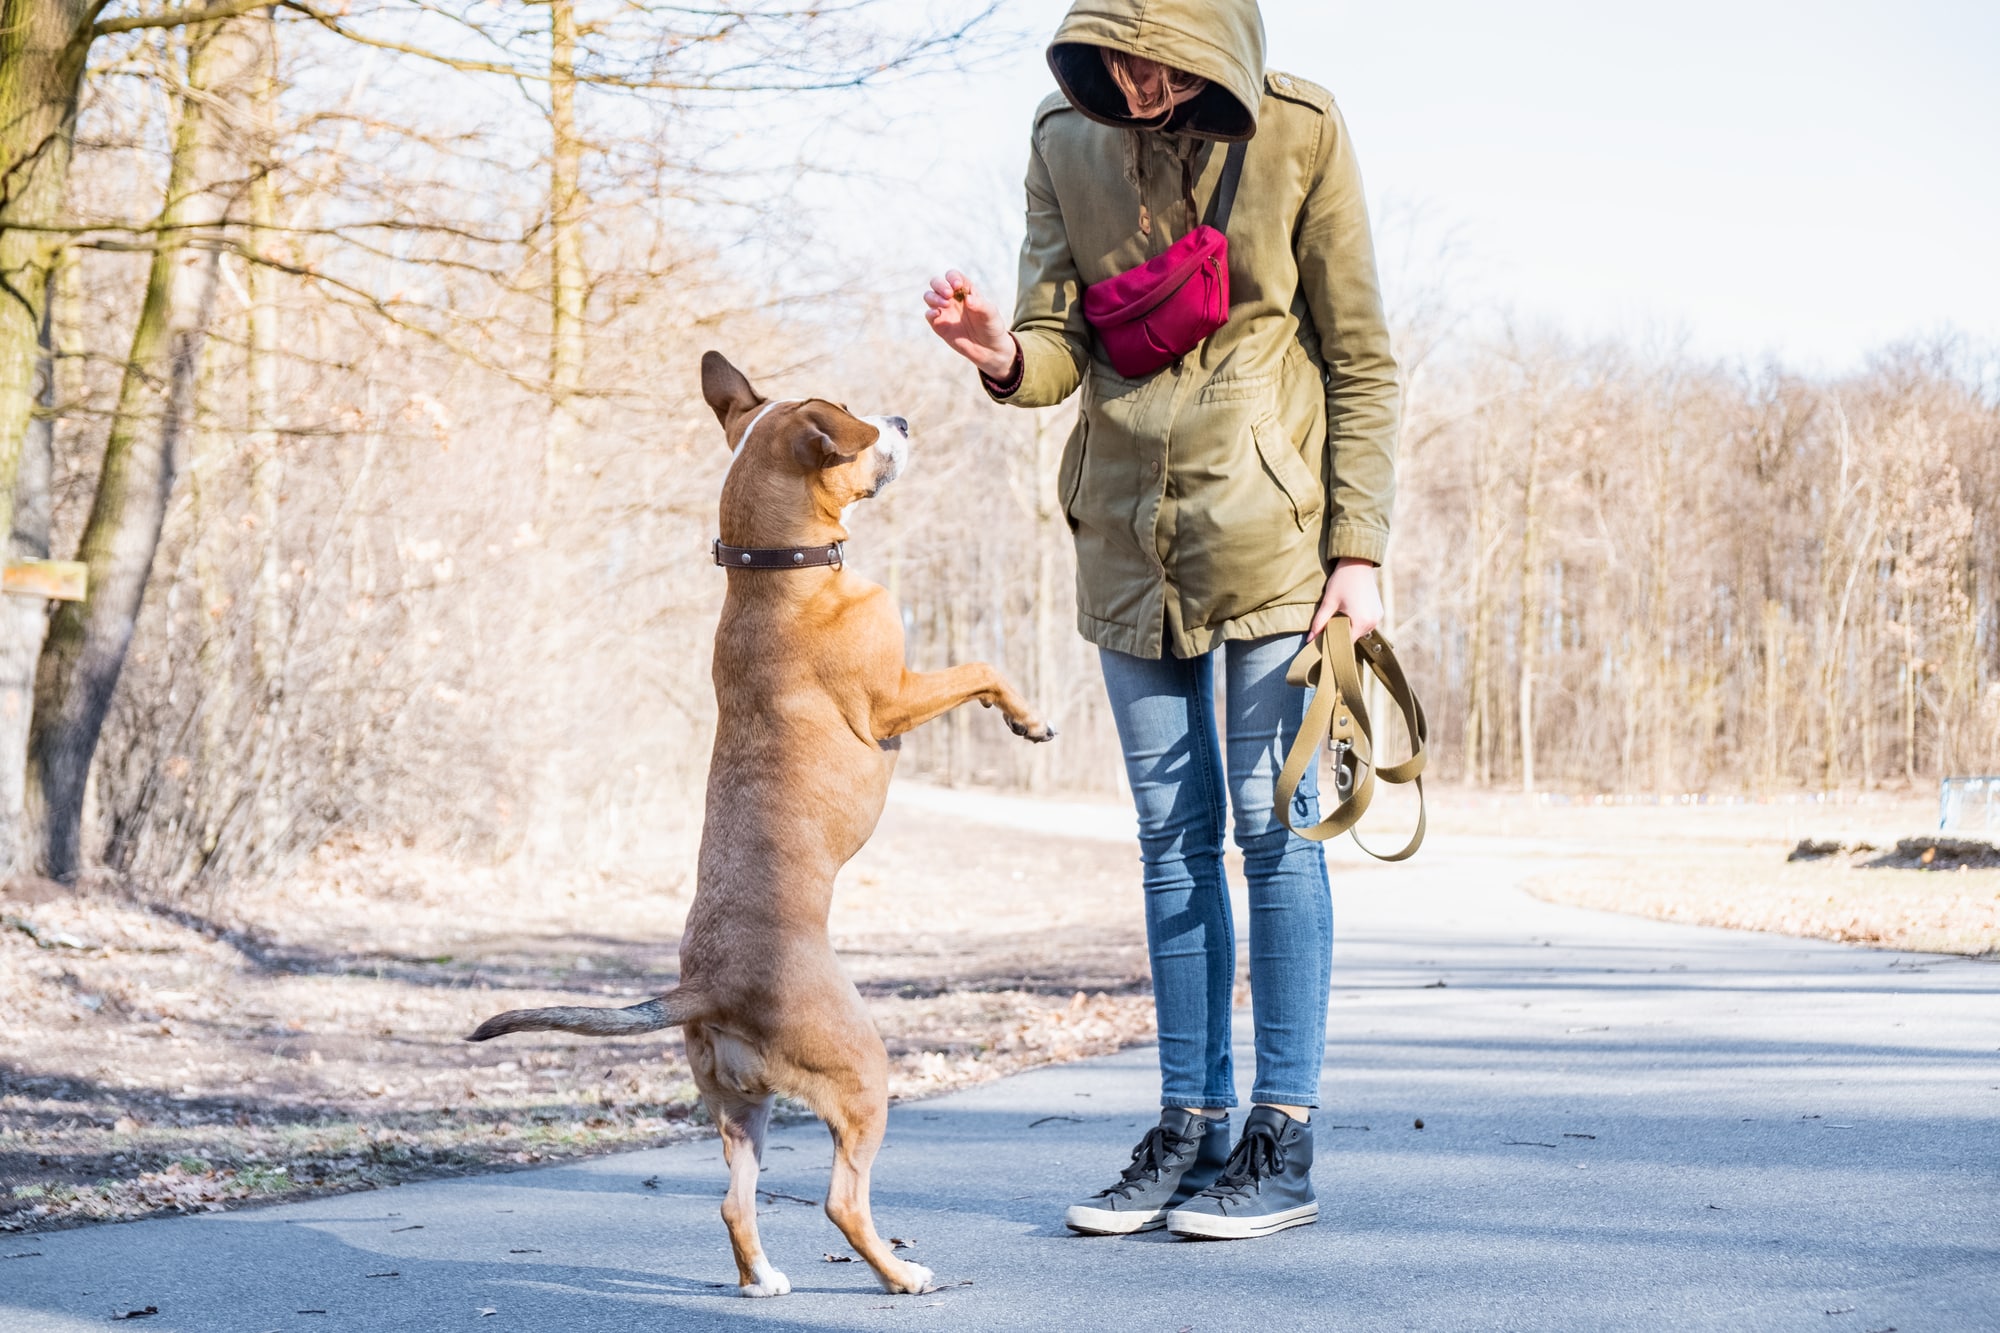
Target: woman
(1225,506)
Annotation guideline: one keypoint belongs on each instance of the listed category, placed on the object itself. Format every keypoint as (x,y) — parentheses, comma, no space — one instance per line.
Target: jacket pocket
(1232,388)
(1281,460)
(1069,473)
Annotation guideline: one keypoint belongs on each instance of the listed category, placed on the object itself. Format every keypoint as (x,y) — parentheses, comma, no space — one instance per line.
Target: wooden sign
(56,580)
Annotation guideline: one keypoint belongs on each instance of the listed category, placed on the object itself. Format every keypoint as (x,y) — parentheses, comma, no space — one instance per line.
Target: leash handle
(1331,667)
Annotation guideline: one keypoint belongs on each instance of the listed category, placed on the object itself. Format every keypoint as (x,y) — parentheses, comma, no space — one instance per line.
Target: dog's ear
(725,390)
(819,449)
(837,437)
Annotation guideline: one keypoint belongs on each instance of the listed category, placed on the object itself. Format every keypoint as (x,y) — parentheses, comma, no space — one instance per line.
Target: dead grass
(1725,865)
(1926,911)
(306,1038)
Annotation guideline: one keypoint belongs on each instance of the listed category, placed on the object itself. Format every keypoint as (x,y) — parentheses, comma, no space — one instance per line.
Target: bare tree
(385,242)
(87,642)
(374,617)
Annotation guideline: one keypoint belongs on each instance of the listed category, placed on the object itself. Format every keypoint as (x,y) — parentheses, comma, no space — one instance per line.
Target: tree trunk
(209,459)
(87,641)
(1531,602)
(1479,738)
(1773,685)
(1660,697)
(43,45)
(566,271)
(1379,705)
(959,636)
(267,463)
(1864,716)
(1047,514)
(1911,665)
(23,620)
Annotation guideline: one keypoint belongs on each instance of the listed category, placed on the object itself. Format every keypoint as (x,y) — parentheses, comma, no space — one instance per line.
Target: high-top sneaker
(1178,1158)
(1266,1187)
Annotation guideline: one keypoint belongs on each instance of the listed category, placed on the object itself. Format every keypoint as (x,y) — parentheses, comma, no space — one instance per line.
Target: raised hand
(969,324)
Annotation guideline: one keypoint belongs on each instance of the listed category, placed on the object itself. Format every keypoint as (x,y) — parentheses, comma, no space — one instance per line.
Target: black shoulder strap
(1225,189)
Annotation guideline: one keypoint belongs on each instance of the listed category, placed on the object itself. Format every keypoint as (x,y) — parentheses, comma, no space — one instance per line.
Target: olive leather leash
(1331,666)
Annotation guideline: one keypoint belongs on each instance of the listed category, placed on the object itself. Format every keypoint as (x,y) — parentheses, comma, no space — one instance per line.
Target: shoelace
(1256,1156)
(1148,1160)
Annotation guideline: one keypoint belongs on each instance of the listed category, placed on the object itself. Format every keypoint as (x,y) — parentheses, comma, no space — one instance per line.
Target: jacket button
(1156,467)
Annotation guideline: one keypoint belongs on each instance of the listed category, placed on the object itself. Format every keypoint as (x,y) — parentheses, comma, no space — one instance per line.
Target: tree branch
(174,18)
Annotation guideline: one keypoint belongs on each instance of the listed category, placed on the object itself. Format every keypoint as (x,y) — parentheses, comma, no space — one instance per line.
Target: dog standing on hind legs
(811,696)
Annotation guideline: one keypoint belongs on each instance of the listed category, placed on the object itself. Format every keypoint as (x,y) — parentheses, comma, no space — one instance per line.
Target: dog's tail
(674,1008)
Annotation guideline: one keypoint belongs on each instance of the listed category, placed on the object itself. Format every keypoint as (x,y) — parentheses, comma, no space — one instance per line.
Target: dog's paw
(770,1282)
(1032,730)
(911,1280)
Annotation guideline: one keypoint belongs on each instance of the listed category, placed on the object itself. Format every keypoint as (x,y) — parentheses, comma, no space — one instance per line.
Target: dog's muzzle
(892,448)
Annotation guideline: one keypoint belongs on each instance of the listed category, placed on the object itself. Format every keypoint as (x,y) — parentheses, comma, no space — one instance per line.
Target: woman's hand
(1350,592)
(969,324)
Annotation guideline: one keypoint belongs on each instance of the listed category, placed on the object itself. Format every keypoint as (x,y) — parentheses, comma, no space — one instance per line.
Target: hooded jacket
(1207,499)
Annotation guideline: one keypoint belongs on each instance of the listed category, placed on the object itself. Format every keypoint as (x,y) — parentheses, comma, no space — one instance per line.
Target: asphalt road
(1626,1124)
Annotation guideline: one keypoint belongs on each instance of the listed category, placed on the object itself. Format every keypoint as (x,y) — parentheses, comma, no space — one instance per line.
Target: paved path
(1627,1125)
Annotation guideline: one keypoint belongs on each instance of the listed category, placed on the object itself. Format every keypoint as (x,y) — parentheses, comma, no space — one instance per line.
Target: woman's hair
(1156,101)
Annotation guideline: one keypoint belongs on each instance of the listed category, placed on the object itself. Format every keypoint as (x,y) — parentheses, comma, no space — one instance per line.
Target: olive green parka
(1208,499)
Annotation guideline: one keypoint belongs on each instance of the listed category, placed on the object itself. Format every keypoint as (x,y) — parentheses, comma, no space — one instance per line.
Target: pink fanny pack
(1150,316)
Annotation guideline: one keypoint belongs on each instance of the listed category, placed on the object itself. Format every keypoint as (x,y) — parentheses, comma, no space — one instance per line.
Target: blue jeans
(1165,711)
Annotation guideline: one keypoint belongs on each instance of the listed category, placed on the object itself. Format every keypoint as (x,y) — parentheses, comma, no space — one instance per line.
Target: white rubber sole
(1105,1222)
(1208,1226)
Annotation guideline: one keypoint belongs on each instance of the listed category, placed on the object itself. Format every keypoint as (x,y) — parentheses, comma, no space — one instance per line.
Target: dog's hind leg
(743,1122)
(858,1118)
(717,1062)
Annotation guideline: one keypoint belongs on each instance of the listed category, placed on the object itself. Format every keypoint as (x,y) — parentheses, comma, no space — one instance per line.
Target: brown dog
(811,694)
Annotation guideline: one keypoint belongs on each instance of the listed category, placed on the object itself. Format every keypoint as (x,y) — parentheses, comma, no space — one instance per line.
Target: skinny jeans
(1165,713)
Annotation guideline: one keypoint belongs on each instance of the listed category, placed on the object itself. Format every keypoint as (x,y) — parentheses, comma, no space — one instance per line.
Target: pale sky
(1802,179)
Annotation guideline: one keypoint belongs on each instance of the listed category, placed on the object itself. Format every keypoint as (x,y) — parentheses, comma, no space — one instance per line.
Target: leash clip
(1342,754)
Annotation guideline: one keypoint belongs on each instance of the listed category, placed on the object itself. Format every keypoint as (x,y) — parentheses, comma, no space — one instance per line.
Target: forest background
(354,349)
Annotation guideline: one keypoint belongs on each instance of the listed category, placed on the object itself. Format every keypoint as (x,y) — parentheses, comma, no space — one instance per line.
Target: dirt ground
(307,1038)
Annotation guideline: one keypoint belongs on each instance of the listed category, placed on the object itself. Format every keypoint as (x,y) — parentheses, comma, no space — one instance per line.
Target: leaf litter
(302,1037)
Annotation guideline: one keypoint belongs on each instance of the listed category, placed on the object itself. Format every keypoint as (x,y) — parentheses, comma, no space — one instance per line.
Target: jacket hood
(1221,40)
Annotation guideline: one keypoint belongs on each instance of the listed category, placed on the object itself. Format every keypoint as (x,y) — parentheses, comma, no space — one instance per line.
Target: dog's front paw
(770,1282)
(1031,729)
(906,1280)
